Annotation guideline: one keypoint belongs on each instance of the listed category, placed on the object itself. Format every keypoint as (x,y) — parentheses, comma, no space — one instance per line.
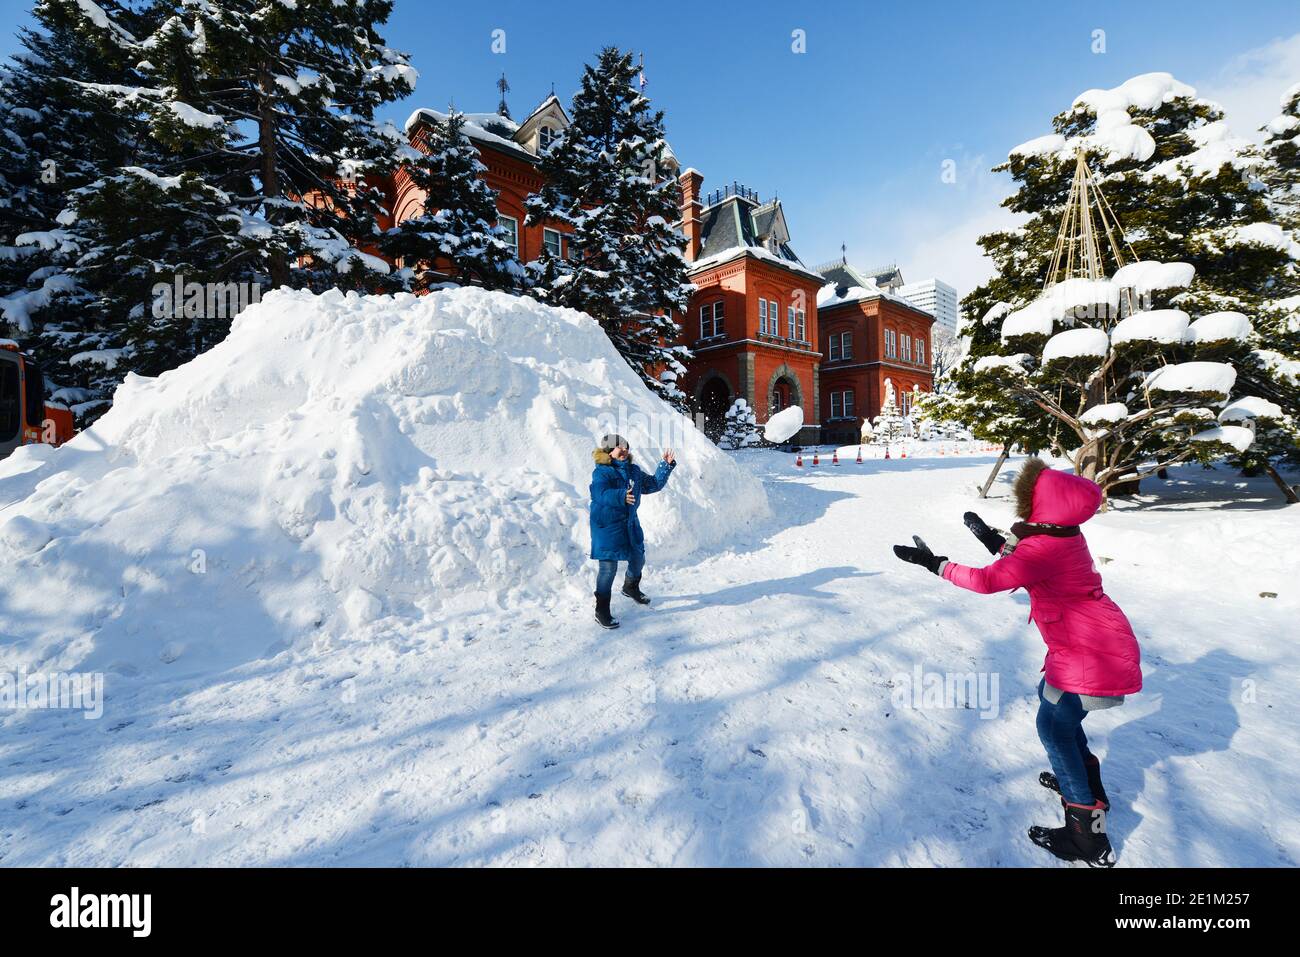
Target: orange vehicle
(25,417)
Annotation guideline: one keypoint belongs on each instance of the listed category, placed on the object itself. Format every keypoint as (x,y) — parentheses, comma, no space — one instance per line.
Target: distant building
(869,336)
(936,297)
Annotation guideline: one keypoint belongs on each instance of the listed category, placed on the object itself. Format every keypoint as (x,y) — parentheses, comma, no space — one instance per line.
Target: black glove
(988,537)
(920,555)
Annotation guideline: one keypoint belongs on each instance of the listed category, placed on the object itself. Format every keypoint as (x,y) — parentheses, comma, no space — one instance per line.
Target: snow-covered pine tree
(605,181)
(60,133)
(889,426)
(741,429)
(456,236)
(273,105)
(1174,178)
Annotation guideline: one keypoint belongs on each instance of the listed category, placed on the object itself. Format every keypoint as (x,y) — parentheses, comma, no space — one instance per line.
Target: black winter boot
(1082,839)
(632,588)
(603,617)
(1093,766)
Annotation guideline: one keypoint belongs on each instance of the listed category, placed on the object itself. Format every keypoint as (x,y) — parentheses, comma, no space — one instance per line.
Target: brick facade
(869,320)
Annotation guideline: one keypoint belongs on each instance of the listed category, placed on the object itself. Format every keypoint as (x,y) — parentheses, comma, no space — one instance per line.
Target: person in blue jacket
(616,489)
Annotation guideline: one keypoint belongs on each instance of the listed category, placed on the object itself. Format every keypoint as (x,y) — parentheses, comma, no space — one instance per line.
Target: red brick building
(754,322)
(509,150)
(868,335)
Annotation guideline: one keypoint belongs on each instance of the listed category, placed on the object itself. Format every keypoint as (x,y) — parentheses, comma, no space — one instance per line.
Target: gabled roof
(841,273)
(736,223)
(543,106)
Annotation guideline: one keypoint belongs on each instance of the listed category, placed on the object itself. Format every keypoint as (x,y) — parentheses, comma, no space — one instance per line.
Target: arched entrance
(783,391)
(713,402)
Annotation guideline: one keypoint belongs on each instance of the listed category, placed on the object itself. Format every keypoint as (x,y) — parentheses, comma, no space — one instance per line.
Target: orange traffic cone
(835,457)
(816,458)
(886,451)
(798,460)
(859,455)
(904,455)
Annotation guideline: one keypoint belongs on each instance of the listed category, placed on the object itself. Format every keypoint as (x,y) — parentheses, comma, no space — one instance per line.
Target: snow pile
(1217,377)
(1237,436)
(1109,413)
(1215,147)
(1156,325)
(1076,344)
(1114,133)
(338,466)
(1250,407)
(1150,276)
(1218,327)
(1014,364)
(1064,302)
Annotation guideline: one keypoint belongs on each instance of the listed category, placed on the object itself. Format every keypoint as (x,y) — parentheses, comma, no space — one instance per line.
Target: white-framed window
(906,398)
(920,352)
(511,227)
(907,348)
(711,319)
(802,335)
(762,317)
(790,323)
(842,404)
(545,137)
(891,344)
(841,346)
(773,318)
(551,240)
(834,348)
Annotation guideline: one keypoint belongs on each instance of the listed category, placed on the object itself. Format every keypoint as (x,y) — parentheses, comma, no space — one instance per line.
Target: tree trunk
(997,467)
(267,166)
(1287,490)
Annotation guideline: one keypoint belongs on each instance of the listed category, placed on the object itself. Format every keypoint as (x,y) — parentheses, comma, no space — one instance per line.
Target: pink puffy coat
(1091,648)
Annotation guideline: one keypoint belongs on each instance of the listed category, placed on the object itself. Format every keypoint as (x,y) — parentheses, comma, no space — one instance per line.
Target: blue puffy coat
(615,529)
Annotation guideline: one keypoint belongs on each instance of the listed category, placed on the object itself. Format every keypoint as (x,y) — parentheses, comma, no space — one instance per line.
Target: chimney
(690,182)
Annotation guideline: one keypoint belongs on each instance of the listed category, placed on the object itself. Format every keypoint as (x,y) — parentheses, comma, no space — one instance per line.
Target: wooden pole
(997,467)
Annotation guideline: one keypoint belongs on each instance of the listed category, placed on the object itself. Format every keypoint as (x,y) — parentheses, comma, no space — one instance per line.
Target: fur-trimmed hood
(1051,497)
(601,457)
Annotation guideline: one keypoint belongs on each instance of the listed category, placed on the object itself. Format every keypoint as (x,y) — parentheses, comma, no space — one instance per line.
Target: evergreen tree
(889,426)
(741,430)
(280,101)
(456,236)
(1175,180)
(604,182)
(60,131)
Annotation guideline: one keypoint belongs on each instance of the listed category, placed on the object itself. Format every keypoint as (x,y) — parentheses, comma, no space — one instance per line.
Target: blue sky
(853,133)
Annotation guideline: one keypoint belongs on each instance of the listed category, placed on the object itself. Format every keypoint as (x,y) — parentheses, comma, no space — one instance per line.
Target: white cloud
(1250,85)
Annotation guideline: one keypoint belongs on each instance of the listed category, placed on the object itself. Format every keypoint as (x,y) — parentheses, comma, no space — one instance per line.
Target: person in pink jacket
(1092,660)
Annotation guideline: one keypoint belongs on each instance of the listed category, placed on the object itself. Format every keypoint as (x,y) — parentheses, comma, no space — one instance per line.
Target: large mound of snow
(337,461)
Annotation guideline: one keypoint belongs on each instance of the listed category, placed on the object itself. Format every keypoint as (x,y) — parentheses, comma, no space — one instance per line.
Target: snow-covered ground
(333,576)
(750,716)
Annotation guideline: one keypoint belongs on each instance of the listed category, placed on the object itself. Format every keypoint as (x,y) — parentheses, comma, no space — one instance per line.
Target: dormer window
(545,137)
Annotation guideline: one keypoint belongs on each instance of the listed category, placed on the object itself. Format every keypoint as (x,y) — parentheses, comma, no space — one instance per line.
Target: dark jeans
(609,568)
(1060,728)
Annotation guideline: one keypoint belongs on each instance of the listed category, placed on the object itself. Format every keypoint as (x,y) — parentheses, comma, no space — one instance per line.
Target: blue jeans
(1060,728)
(609,568)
